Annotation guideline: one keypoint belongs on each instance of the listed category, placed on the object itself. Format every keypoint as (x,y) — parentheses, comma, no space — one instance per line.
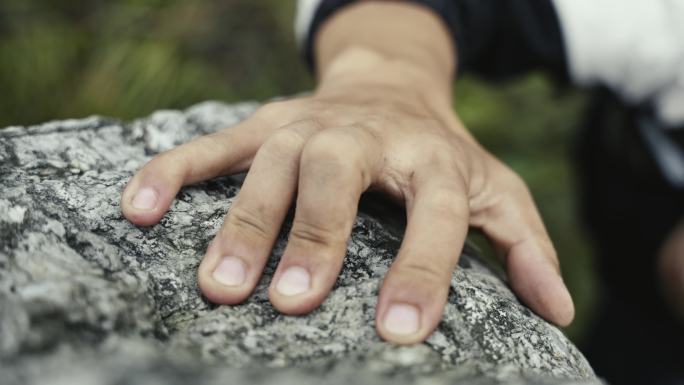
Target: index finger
(151,191)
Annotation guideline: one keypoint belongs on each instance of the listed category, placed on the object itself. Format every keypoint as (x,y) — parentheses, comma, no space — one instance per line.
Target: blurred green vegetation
(64,59)
(126,58)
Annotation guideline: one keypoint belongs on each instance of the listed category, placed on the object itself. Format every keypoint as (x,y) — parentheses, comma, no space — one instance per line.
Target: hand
(326,150)
(671,269)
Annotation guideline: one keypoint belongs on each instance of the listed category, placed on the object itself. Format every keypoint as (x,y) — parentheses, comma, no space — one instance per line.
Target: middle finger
(235,259)
(336,167)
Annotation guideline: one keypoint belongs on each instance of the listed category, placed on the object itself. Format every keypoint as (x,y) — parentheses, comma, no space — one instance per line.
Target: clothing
(630,155)
(633,47)
(628,207)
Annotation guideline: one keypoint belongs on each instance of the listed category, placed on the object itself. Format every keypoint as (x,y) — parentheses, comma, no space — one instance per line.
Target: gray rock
(86,297)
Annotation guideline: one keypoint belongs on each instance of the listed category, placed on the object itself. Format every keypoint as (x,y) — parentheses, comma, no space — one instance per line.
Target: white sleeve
(306,10)
(634,47)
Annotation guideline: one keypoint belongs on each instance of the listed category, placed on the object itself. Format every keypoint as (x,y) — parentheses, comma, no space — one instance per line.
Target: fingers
(415,290)
(515,227)
(233,263)
(151,191)
(334,171)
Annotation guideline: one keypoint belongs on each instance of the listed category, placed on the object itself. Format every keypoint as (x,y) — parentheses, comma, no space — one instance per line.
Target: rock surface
(86,297)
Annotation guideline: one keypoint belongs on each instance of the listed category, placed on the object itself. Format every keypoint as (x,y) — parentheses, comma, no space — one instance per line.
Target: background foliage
(64,59)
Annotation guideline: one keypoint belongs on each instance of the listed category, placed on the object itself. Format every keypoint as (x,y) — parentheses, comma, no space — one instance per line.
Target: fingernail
(295,280)
(230,272)
(567,307)
(402,319)
(145,199)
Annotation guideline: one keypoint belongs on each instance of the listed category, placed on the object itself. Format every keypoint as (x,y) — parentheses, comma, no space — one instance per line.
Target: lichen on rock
(87,297)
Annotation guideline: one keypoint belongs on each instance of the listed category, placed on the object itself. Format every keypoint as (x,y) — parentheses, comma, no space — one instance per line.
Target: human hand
(671,269)
(353,134)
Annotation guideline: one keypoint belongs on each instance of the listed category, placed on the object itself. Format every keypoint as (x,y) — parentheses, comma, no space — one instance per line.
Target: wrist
(365,74)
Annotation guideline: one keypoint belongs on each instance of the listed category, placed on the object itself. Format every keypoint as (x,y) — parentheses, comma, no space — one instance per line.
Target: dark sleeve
(494,38)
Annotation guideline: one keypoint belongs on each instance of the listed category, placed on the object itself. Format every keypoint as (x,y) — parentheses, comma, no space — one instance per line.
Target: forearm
(411,50)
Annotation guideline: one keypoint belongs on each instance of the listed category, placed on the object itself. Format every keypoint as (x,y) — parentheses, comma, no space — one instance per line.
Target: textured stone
(86,297)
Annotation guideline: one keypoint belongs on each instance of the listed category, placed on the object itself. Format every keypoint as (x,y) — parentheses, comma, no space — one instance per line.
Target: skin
(671,270)
(380,118)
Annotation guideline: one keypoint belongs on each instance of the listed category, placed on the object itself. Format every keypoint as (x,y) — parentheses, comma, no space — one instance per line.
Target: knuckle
(426,273)
(332,152)
(177,158)
(246,222)
(284,142)
(438,153)
(330,143)
(313,233)
(452,201)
